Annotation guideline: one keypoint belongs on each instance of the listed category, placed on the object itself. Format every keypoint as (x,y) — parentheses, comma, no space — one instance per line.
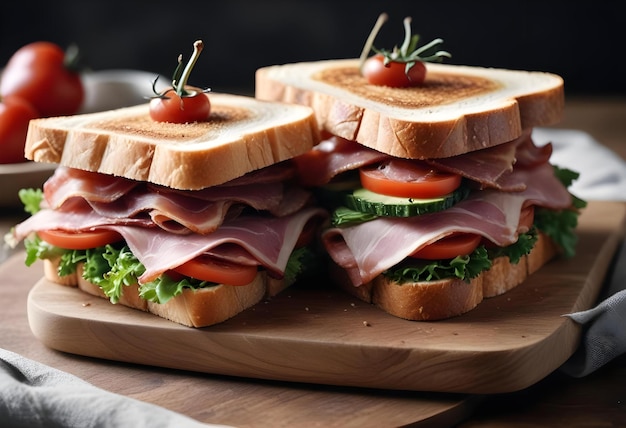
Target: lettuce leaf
(31,199)
(461,267)
(560,225)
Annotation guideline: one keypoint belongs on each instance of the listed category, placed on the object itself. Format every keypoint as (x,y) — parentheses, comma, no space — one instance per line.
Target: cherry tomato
(79,240)
(221,272)
(176,109)
(422,181)
(37,72)
(15,114)
(460,244)
(393,74)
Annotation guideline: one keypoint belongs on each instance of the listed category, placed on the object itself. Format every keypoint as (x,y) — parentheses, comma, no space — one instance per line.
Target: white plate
(104,90)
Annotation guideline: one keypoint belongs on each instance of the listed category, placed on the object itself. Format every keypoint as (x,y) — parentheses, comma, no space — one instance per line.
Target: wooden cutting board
(323,336)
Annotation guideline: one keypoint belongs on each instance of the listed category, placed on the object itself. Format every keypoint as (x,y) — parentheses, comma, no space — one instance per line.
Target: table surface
(556,401)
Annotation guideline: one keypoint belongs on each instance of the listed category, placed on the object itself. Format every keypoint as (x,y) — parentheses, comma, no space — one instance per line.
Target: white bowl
(111,89)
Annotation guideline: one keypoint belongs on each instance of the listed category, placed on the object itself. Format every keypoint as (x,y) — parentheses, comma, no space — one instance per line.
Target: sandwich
(192,221)
(439,195)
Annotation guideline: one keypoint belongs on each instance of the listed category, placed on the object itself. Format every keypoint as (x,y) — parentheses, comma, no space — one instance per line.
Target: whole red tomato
(38,72)
(393,74)
(181,103)
(15,114)
(176,109)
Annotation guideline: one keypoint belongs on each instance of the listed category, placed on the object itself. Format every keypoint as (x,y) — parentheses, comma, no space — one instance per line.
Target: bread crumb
(353,305)
(366,324)
(86,304)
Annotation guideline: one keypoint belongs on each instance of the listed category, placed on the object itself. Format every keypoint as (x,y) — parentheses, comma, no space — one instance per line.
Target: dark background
(583,42)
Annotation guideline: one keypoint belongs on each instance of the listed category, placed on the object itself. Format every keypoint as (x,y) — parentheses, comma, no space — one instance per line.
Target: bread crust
(241,135)
(459,109)
(208,306)
(193,308)
(442,299)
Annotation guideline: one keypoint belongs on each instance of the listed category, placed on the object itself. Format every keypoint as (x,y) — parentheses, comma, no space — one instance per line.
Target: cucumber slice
(381,205)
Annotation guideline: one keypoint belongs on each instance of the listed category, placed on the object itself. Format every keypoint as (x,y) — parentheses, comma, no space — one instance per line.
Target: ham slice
(69,182)
(178,211)
(491,167)
(331,157)
(269,241)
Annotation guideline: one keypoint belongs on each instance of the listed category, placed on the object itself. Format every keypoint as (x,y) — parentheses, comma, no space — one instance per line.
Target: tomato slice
(79,240)
(408,179)
(209,269)
(527,218)
(458,244)
(308,234)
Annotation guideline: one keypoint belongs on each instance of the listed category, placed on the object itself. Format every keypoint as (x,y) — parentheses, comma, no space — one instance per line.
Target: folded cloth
(602,177)
(604,335)
(34,395)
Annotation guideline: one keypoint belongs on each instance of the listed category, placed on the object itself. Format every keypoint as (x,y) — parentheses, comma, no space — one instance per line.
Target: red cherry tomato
(220,272)
(79,240)
(176,109)
(460,244)
(37,72)
(422,181)
(392,74)
(15,114)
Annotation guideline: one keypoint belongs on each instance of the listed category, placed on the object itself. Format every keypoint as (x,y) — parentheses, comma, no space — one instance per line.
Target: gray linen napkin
(602,177)
(34,395)
(604,326)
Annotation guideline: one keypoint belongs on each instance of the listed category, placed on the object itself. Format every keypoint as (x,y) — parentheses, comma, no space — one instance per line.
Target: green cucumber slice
(381,205)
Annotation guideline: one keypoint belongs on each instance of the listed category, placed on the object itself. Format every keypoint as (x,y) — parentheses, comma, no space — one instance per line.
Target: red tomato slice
(220,272)
(307,235)
(421,182)
(460,244)
(79,240)
(527,218)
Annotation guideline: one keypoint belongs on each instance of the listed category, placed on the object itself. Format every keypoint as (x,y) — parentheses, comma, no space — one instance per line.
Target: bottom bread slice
(194,307)
(447,298)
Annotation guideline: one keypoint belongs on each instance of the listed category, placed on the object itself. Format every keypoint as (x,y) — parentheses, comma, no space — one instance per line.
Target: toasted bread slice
(241,135)
(458,109)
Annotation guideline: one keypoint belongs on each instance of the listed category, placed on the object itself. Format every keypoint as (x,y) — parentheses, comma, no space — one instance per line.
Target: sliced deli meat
(177,211)
(267,240)
(491,167)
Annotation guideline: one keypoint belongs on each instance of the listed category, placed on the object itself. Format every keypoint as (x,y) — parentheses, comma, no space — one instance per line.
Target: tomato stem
(408,53)
(382,18)
(404,49)
(198,46)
